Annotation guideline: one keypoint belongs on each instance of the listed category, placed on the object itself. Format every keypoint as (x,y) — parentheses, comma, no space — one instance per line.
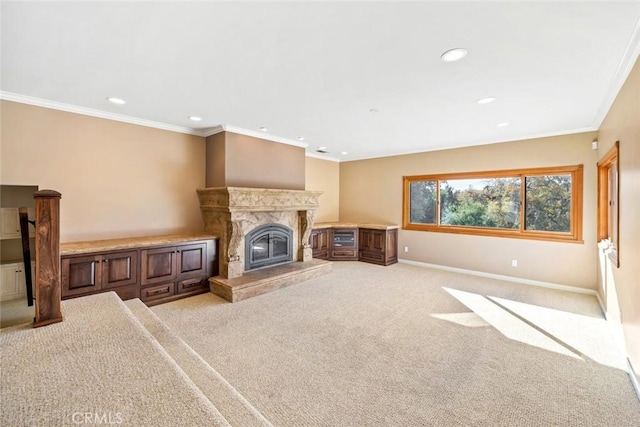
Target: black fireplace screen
(268,245)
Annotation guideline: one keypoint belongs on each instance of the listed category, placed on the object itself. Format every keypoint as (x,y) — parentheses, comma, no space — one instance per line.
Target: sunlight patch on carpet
(507,324)
(471,320)
(573,329)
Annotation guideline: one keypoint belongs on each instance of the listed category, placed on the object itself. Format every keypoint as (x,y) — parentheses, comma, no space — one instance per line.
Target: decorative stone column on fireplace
(233,212)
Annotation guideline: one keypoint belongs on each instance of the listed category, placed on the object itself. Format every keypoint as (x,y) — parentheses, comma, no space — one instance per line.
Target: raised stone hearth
(233,212)
(265,280)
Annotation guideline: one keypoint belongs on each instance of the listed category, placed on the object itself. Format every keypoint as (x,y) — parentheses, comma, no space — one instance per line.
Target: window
(544,203)
(608,203)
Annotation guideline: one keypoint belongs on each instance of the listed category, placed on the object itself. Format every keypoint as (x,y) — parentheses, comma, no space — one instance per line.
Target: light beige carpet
(99,366)
(233,406)
(409,346)
(15,312)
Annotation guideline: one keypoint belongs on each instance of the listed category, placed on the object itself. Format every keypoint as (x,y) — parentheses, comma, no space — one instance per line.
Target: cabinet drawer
(196,284)
(157,292)
(372,256)
(343,253)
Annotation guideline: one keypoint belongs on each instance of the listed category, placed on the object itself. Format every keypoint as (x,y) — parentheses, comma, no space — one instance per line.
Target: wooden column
(48,292)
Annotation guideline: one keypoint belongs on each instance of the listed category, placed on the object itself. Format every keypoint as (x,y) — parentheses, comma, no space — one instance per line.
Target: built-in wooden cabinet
(155,274)
(319,241)
(173,271)
(342,243)
(378,246)
(100,272)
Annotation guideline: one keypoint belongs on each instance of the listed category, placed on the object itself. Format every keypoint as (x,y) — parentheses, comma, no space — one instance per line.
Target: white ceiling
(316,69)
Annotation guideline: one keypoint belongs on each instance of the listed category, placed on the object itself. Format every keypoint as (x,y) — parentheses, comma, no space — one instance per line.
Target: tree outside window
(533,203)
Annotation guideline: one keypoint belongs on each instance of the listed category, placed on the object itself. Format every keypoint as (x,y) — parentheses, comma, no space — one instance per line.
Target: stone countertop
(89,246)
(340,224)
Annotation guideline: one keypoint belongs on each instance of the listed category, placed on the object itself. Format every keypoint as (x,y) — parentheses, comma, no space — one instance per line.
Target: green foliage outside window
(522,202)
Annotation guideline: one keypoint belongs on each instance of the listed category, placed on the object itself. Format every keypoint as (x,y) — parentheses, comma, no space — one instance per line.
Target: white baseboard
(603,308)
(634,378)
(503,277)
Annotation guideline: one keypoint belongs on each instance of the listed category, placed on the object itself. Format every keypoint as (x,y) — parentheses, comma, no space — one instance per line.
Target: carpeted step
(237,410)
(98,366)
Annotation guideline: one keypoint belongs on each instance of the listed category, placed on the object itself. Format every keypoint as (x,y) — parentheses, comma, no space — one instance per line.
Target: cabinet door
(378,241)
(319,241)
(192,260)
(13,281)
(365,239)
(81,275)
(119,269)
(8,285)
(157,265)
(10,225)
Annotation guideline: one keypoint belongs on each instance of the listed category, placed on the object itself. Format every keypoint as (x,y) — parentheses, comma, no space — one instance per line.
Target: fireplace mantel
(233,212)
(241,199)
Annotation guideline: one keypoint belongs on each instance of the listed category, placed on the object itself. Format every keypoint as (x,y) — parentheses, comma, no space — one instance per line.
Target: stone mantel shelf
(242,199)
(89,246)
(340,224)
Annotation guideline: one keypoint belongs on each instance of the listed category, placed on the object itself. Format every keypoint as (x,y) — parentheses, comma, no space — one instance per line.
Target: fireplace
(235,213)
(267,245)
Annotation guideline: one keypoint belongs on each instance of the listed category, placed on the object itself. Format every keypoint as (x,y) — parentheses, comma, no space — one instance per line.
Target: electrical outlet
(514,263)
(406,248)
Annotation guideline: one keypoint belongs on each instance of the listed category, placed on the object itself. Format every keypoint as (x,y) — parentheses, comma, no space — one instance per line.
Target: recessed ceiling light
(323,148)
(195,118)
(118,101)
(487,100)
(301,138)
(373,110)
(503,124)
(453,55)
(344,153)
(263,129)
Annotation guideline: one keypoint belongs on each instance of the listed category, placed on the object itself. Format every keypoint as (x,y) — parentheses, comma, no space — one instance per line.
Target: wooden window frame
(611,244)
(573,236)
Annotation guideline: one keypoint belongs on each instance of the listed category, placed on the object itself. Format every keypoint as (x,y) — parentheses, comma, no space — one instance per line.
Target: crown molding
(629,58)
(322,157)
(465,145)
(255,134)
(54,105)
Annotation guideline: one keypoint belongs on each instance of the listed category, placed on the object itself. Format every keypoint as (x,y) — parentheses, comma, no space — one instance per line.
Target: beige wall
(215,162)
(116,179)
(324,175)
(371,191)
(621,288)
(254,162)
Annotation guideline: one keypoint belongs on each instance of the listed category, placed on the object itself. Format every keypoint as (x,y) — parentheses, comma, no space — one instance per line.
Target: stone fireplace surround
(233,212)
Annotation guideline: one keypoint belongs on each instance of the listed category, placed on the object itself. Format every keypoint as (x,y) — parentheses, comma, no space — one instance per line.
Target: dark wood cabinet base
(154,273)
(372,245)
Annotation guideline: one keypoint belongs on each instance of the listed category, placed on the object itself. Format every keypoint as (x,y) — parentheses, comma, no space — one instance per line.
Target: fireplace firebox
(267,245)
